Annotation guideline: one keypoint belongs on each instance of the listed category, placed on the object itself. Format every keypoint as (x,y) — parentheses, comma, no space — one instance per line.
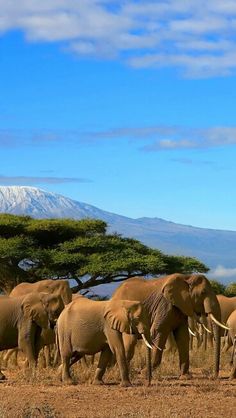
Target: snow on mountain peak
(38,203)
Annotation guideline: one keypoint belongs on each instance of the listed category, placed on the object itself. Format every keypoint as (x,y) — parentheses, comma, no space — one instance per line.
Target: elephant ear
(119,315)
(53,304)
(34,310)
(176,290)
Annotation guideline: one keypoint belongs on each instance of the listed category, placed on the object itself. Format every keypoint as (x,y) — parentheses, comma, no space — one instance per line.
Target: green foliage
(230,289)
(218,287)
(50,232)
(12,225)
(78,249)
(183,264)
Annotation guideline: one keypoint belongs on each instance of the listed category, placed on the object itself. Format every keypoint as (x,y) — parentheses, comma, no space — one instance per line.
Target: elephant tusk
(146,341)
(191,332)
(207,330)
(158,348)
(217,322)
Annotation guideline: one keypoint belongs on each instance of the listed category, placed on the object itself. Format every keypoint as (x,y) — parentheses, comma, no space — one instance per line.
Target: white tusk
(159,348)
(204,326)
(146,341)
(191,332)
(217,322)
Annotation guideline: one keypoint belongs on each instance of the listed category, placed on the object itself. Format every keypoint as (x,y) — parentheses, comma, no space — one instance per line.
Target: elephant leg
(29,351)
(75,357)
(156,357)
(129,345)
(65,368)
(160,341)
(191,342)
(181,335)
(46,354)
(56,358)
(205,340)
(116,345)
(104,359)
(27,342)
(233,359)
(68,359)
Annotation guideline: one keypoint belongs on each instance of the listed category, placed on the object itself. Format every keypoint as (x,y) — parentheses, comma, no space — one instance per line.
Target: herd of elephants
(177,306)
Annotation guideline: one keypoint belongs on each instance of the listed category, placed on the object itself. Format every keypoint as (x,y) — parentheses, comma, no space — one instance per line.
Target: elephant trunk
(144,331)
(216,333)
(212,308)
(149,366)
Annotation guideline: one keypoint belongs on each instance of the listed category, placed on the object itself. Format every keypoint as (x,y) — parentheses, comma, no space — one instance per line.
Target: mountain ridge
(212,246)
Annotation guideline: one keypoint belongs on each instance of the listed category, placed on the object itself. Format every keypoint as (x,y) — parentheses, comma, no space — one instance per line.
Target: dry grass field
(45,396)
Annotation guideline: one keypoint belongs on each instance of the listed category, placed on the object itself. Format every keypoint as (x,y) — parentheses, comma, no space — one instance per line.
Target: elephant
(23,318)
(227,306)
(88,327)
(170,300)
(55,287)
(231,339)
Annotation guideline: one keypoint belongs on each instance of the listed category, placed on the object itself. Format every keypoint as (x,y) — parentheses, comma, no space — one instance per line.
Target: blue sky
(128,106)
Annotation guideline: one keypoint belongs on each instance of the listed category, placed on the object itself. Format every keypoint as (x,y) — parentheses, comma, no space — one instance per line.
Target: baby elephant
(88,327)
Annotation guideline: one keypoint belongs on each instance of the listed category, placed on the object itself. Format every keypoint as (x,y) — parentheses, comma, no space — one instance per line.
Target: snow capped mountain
(24,200)
(213,247)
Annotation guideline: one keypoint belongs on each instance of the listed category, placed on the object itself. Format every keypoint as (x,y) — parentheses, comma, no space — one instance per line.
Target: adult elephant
(22,320)
(231,337)
(170,301)
(88,327)
(227,306)
(55,287)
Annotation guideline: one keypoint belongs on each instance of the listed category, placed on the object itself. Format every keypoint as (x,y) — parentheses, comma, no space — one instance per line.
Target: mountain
(213,247)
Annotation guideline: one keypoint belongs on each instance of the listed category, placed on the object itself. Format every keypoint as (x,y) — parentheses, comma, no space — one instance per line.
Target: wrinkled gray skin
(22,320)
(88,327)
(169,301)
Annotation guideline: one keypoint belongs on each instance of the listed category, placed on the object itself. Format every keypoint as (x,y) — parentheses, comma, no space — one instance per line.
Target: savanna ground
(45,396)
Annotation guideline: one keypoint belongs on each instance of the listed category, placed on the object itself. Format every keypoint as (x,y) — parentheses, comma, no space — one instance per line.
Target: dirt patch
(45,396)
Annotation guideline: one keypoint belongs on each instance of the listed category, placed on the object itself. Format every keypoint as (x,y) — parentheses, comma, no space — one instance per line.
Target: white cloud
(223,272)
(31,180)
(156,138)
(150,138)
(197,37)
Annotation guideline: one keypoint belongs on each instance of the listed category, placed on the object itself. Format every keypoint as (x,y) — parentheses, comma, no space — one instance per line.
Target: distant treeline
(219,288)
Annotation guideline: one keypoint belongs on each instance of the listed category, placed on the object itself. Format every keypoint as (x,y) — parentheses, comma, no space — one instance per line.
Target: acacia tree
(33,249)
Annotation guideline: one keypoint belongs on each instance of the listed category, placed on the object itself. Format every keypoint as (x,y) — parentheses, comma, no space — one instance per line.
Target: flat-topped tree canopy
(78,249)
